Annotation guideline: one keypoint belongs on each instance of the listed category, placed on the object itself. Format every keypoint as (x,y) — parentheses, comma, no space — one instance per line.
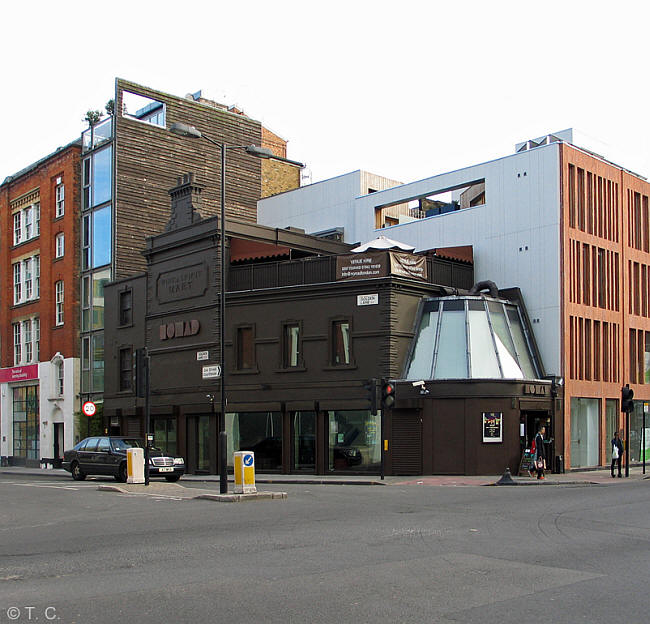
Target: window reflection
(101,176)
(354,440)
(260,432)
(102,236)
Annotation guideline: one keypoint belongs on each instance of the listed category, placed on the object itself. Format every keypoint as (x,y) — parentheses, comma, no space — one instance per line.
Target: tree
(92,117)
(110,107)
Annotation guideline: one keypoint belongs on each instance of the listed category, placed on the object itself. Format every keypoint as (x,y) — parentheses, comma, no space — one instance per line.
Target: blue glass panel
(102,176)
(102,236)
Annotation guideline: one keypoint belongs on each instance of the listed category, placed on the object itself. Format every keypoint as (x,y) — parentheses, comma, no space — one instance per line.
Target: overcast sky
(402,89)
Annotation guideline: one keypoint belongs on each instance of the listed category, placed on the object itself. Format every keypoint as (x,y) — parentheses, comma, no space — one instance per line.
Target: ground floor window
(611,425)
(585,438)
(260,432)
(636,433)
(354,440)
(164,435)
(26,423)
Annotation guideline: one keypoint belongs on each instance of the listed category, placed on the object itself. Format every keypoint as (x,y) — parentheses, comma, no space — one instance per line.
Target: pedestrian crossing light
(627,396)
(387,394)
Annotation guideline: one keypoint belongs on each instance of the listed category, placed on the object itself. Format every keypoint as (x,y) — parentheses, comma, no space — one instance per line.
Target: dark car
(106,455)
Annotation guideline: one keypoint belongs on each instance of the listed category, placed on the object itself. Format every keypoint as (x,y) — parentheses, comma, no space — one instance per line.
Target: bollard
(506,479)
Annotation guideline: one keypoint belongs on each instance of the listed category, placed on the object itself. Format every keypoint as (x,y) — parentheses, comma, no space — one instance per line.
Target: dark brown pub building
(308,323)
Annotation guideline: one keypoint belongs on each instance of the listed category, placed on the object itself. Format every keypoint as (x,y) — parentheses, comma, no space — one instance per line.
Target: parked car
(106,455)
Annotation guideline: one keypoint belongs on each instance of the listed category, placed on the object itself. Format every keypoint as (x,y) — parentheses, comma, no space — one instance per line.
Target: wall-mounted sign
(492,426)
(211,372)
(364,300)
(537,389)
(380,264)
(182,283)
(202,355)
(19,373)
(179,329)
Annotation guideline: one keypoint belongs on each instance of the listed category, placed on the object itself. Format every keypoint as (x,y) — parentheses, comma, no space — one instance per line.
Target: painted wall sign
(492,426)
(179,329)
(182,283)
(18,373)
(380,264)
(366,300)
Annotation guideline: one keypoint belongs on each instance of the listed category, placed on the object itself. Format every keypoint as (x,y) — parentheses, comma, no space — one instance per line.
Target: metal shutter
(406,442)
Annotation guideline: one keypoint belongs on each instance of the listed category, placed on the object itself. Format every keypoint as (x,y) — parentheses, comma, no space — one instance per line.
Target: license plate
(170,469)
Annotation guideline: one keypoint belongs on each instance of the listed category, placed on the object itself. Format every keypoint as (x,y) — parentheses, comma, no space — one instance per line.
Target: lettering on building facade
(179,329)
(182,283)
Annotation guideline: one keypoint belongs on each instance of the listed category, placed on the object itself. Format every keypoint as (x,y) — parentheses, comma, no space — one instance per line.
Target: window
(60,245)
(59,193)
(126,315)
(245,348)
(27,223)
(291,345)
(126,369)
(27,275)
(340,343)
(142,108)
(59,378)
(59,302)
(26,336)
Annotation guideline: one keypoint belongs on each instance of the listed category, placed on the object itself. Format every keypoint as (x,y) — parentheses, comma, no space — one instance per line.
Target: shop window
(260,432)
(340,343)
(245,348)
(26,437)
(126,369)
(164,435)
(354,441)
(291,345)
(126,310)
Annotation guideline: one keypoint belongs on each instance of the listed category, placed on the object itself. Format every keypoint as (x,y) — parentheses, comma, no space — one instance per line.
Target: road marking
(45,485)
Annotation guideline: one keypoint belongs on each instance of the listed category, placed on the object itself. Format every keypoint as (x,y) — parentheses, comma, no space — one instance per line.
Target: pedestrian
(617,452)
(540,456)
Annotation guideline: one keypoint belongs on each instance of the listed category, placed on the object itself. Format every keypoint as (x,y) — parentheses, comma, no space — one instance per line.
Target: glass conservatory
(471,337)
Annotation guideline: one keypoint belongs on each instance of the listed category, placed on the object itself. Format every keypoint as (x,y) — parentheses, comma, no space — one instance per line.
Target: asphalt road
(70,553)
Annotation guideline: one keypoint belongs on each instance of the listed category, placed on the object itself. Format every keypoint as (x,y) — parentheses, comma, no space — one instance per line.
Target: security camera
(418,384)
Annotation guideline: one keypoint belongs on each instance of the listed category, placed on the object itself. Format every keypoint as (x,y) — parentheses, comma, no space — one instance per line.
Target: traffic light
(387,393)
(627,404)
(372,388)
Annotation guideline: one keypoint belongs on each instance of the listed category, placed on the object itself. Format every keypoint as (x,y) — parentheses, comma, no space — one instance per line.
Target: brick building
(39,322)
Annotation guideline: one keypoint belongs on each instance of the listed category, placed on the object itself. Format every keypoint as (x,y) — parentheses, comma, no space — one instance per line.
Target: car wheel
(121,473)
(75,469)
(172,478)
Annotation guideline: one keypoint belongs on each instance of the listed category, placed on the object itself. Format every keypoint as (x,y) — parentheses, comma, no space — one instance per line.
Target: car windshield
(121,444)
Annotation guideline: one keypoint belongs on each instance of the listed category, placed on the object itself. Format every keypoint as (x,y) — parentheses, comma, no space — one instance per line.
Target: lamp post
(184,130)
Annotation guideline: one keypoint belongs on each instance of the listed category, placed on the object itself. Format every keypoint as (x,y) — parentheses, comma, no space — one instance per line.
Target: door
(303,442)
(58,441)
(198,444)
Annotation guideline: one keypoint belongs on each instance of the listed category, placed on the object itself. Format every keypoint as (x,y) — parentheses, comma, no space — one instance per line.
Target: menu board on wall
(492,426)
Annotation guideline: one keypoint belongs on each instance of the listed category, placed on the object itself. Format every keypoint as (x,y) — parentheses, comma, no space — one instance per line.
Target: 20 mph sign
(89,408)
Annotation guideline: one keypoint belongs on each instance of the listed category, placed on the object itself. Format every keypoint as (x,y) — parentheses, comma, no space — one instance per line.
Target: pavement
(573,477)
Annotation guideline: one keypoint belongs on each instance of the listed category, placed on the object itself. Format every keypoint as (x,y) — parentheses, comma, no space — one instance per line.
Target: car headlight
(179,460)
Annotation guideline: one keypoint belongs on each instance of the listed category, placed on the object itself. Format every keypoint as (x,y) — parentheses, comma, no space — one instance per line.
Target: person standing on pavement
(540,455)
(617,452)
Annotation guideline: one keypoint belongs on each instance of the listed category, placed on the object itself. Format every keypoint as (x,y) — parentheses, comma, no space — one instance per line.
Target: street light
(191,132)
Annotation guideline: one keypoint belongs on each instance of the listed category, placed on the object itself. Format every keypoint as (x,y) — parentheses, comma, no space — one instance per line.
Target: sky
(401,89)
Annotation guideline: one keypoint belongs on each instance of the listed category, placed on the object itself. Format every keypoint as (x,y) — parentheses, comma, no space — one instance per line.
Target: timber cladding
(149,159)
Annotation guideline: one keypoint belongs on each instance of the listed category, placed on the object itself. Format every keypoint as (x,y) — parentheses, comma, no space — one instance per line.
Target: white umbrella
(383,243)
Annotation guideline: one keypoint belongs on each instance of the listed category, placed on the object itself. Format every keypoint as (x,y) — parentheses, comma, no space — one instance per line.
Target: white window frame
(60,378)
(60,199)
(26,336)
(18,344)
(59,244)
(27,279)
(27,223)
(59,297)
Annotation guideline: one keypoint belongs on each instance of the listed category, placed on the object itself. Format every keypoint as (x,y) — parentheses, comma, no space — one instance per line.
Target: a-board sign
(527,463)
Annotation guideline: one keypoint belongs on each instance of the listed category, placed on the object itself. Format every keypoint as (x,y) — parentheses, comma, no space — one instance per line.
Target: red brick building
(39,312)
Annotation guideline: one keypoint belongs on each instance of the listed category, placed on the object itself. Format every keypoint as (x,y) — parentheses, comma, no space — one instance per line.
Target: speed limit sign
(89,408)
